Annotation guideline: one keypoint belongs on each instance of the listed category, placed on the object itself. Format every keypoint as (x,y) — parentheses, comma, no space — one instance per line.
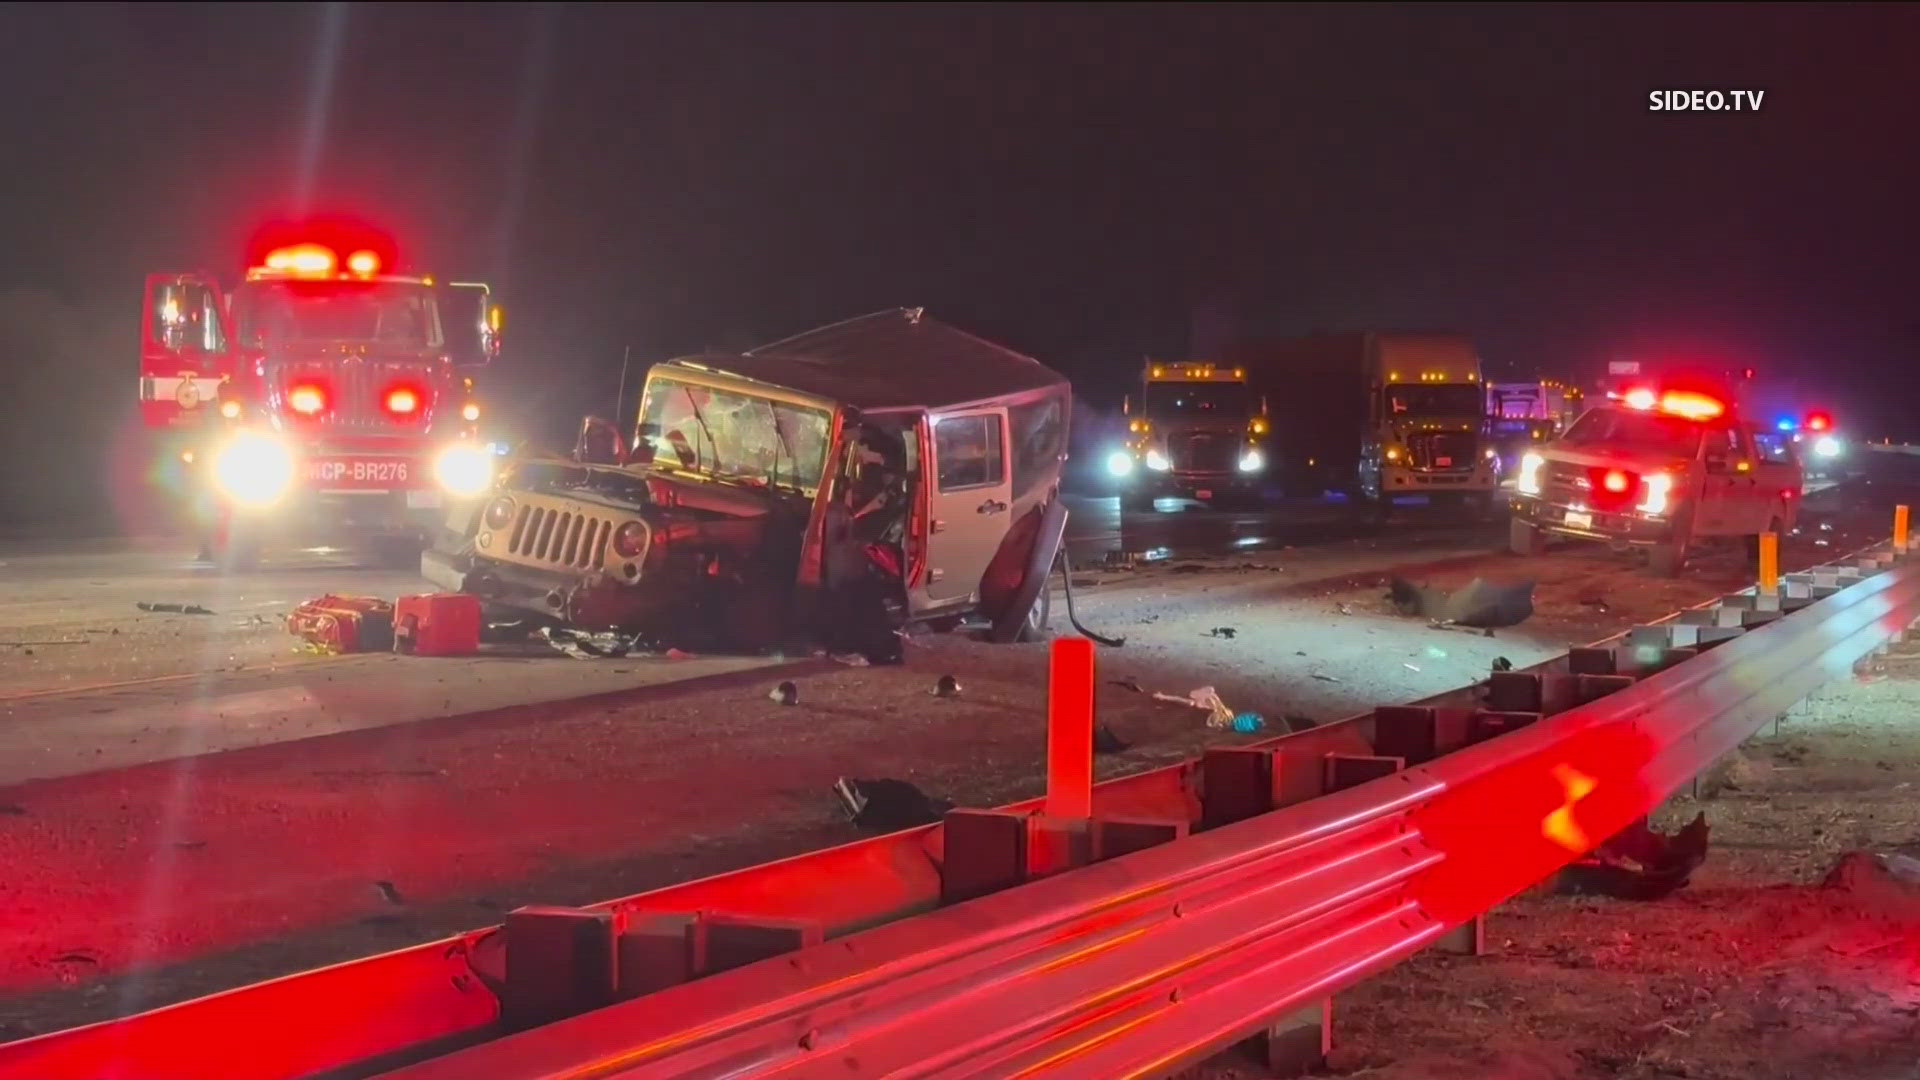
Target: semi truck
(1194,433)
(1376,415)
(1523,414)
(322,400)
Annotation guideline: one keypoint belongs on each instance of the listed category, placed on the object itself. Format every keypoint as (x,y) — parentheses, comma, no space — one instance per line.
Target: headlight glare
(254,469)
(464,469)
(1251,460)
(1527,482)
(1120,463)
(1157,461)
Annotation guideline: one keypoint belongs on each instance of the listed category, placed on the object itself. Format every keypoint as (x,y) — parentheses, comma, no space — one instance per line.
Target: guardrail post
(1070,729)
(1467,939)
(1769,562)
(1900,533)
(1298,1043)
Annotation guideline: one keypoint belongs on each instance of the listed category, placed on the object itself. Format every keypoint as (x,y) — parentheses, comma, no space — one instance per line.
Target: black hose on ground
(1066,575)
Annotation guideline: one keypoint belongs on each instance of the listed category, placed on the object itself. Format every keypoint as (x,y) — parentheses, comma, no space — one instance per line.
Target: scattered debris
(388,893)
(581,645)
(1343,608)
(1501,663)
(1436,652)
(852,659)
(52,641)
(502,630)
(678,654)
(1324,678)
(1207,699)
(172,609)
(1222,632)
(887,805)
(1106,742)
(1638,863)
(343,624)
(947,687)
(785,694)
(1248,722)
(1187,568)
(1410,667)
(1479,603)
(1129,683)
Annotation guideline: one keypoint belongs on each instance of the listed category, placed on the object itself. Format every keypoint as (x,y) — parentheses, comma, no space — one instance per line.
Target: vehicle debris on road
(887,805)
(1227,632)
(785,694)
(946,687)
(1480,603)
(1638,863)
(172,609)
(1206,699)
(343,624)
(1106,742)
(605,645)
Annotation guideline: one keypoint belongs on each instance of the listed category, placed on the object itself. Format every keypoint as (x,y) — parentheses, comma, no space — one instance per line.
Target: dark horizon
(1087,185)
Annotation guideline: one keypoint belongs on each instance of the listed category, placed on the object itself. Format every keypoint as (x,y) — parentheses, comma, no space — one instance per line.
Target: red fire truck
(322,400)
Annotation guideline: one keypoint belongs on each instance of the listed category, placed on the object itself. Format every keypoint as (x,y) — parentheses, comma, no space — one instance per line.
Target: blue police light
(1786,423)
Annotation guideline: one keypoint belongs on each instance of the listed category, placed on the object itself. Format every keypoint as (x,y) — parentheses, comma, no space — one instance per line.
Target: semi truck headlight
(1157,461)
(1527,481)
(1658,486)
(1827,446)
(254,469)
(1393,453)
(1120,463)
(464,469)
(1252,460)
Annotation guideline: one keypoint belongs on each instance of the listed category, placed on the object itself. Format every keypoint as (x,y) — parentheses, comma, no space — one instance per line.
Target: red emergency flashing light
(1640,398)
(307,399)
(364,263)
(301,259)
(1616,482)
(1691,405)
(403,401)
(1819,422)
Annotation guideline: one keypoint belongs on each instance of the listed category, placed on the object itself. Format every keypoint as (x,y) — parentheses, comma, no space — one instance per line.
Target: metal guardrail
(1393,830)
(1152,960)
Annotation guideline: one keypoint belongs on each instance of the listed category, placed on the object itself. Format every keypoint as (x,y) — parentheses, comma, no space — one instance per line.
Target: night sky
(1085,184)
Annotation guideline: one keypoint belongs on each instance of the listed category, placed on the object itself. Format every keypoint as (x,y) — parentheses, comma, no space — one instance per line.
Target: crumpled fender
(1019,569)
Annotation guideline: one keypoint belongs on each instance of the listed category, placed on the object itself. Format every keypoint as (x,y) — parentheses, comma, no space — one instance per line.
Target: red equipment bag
(344,624)
(437,624)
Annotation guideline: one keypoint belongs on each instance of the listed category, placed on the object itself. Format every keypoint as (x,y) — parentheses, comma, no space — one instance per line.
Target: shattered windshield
(272,313)
(716,432)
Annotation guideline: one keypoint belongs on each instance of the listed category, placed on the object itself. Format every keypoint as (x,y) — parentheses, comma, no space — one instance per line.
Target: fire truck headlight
(464,469)
(1120,463)
(1527,481)
(1157,461)
(470,412)
(254,469)
(1252,460)
(1657,486)
(1827,446)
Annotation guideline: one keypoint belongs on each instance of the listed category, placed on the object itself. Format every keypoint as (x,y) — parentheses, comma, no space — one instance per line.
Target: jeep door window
(969,451)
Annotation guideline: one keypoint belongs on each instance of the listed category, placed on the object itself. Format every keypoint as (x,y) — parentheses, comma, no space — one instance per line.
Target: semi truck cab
(1427,430)
(1195,434)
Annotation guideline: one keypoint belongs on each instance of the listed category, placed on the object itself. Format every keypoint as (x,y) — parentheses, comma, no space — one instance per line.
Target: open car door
(185,348)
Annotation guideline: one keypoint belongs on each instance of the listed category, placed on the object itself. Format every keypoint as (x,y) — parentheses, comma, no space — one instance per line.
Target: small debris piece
(1248,722)
(1501,663)
(1343,608)
(1207,699)
(852,659)
(1324,678)
(1638,863)
(678,654)
(947,687)
(1222,632)
(1479,603)
(1129,683)
(1106,742)
(785,694)
(172,609)
(887,805)
(1411,668)
(581,645)
(388,893)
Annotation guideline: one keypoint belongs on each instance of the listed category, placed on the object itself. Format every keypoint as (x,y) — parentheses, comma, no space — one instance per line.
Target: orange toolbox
(437,624)
(344,624)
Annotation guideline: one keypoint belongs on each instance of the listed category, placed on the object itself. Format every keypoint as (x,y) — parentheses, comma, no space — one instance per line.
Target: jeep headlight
(1157,461)
(1251,460)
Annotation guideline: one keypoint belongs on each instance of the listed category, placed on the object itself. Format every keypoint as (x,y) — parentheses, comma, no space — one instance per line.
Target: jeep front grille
(559,538)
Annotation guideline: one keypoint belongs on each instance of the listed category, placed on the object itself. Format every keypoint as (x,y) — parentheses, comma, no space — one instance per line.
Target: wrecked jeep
(882,471)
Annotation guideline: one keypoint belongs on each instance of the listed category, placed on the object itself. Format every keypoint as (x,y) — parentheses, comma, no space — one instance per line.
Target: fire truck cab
(1659,470)
(322,400)
(1194,434)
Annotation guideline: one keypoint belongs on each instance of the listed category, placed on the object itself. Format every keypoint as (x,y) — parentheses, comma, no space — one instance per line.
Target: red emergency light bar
(1819,422)
(1683,403)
